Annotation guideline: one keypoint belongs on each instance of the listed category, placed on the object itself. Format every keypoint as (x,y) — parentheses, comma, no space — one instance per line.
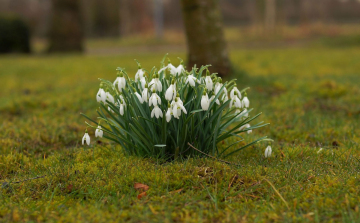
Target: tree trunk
(205,37)
(270,15)
(66,30)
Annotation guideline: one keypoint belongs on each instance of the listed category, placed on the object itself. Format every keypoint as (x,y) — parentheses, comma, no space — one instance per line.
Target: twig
(38,177)
(213,157)
(277,192)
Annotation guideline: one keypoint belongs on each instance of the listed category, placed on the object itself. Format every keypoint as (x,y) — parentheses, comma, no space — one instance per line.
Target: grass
(310,97)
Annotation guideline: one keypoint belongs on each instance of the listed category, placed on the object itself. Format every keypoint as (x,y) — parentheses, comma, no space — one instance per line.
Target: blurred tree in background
(66,30)
(205,36)
(14,35)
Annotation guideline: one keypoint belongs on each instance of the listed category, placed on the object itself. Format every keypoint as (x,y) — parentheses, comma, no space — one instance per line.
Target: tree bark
(204,34)
(66,31)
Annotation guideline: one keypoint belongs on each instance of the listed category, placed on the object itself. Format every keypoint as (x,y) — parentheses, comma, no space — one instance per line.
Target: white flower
(217,88)
(176,71)
(177,107)
(235,91)
(98,132)
(145,94)
(154,99)
(164,68)
(243,112)
(155,84)
(139,97)
(168,115)
(86,139)
(170,93)
(122,108)
(101,96)
(208,83)
(268,152)
(205,102)
(236,102)
(110,98)
(217,100)
(143,82)
(157,112)
(245,102)
(191,80)
(139,75)
(246,126)
(121,83)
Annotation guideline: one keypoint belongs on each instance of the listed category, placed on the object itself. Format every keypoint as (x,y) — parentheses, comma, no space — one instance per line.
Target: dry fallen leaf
(175,191)
(141,187)
(143,194)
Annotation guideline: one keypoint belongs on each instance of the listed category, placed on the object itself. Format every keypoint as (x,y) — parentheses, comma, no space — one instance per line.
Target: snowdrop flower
(139,74)
(245,102)
(122,108)
(110,98)
(205,102)
(86,138)
(139,97)
(101,96)
(142,82)
(164,68)
(191,80)
(145,94)
(155,84)
(218,86)
(233,91)
(208,83)
(170,93)
(120,81)
(243,112)
(268,152)
(98,132)
(235,101)
(217,100)
(177,106)
(154,99)
(157,112)
(246,126)
(176,71)
(168,114)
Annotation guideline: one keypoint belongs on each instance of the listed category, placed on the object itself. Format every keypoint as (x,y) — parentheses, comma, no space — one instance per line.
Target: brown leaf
(141,187)
(176,191)
(143,194)
(69,188)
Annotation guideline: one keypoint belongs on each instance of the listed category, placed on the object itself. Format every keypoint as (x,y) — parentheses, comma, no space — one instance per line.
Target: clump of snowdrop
(160,111)
(268,152)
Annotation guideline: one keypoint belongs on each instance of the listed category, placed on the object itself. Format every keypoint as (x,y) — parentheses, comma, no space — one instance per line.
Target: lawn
(310,97)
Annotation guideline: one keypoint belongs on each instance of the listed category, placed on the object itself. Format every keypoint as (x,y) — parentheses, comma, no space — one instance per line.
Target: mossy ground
(310,97)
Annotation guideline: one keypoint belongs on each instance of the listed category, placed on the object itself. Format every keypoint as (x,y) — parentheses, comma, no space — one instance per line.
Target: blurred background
(300,58)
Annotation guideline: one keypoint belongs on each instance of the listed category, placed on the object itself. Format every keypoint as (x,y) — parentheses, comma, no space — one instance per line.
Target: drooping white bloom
(101,96)
(157,112)
(110,98)
(205,102)
(268,152)
(235,91)
(245,102)
(208,83)
(145,94)
(177,107)
(122,108)
(236,102)
(176,71)
(121,82)
(98,132)
(143,82)
(246,126)
(245,113)
(217,100)
(139,74)
(168,115)
(139,97)
(154,99)
(217,87)
(191,80)
(155,84)
(164,68)
(170,93)
(86,138)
